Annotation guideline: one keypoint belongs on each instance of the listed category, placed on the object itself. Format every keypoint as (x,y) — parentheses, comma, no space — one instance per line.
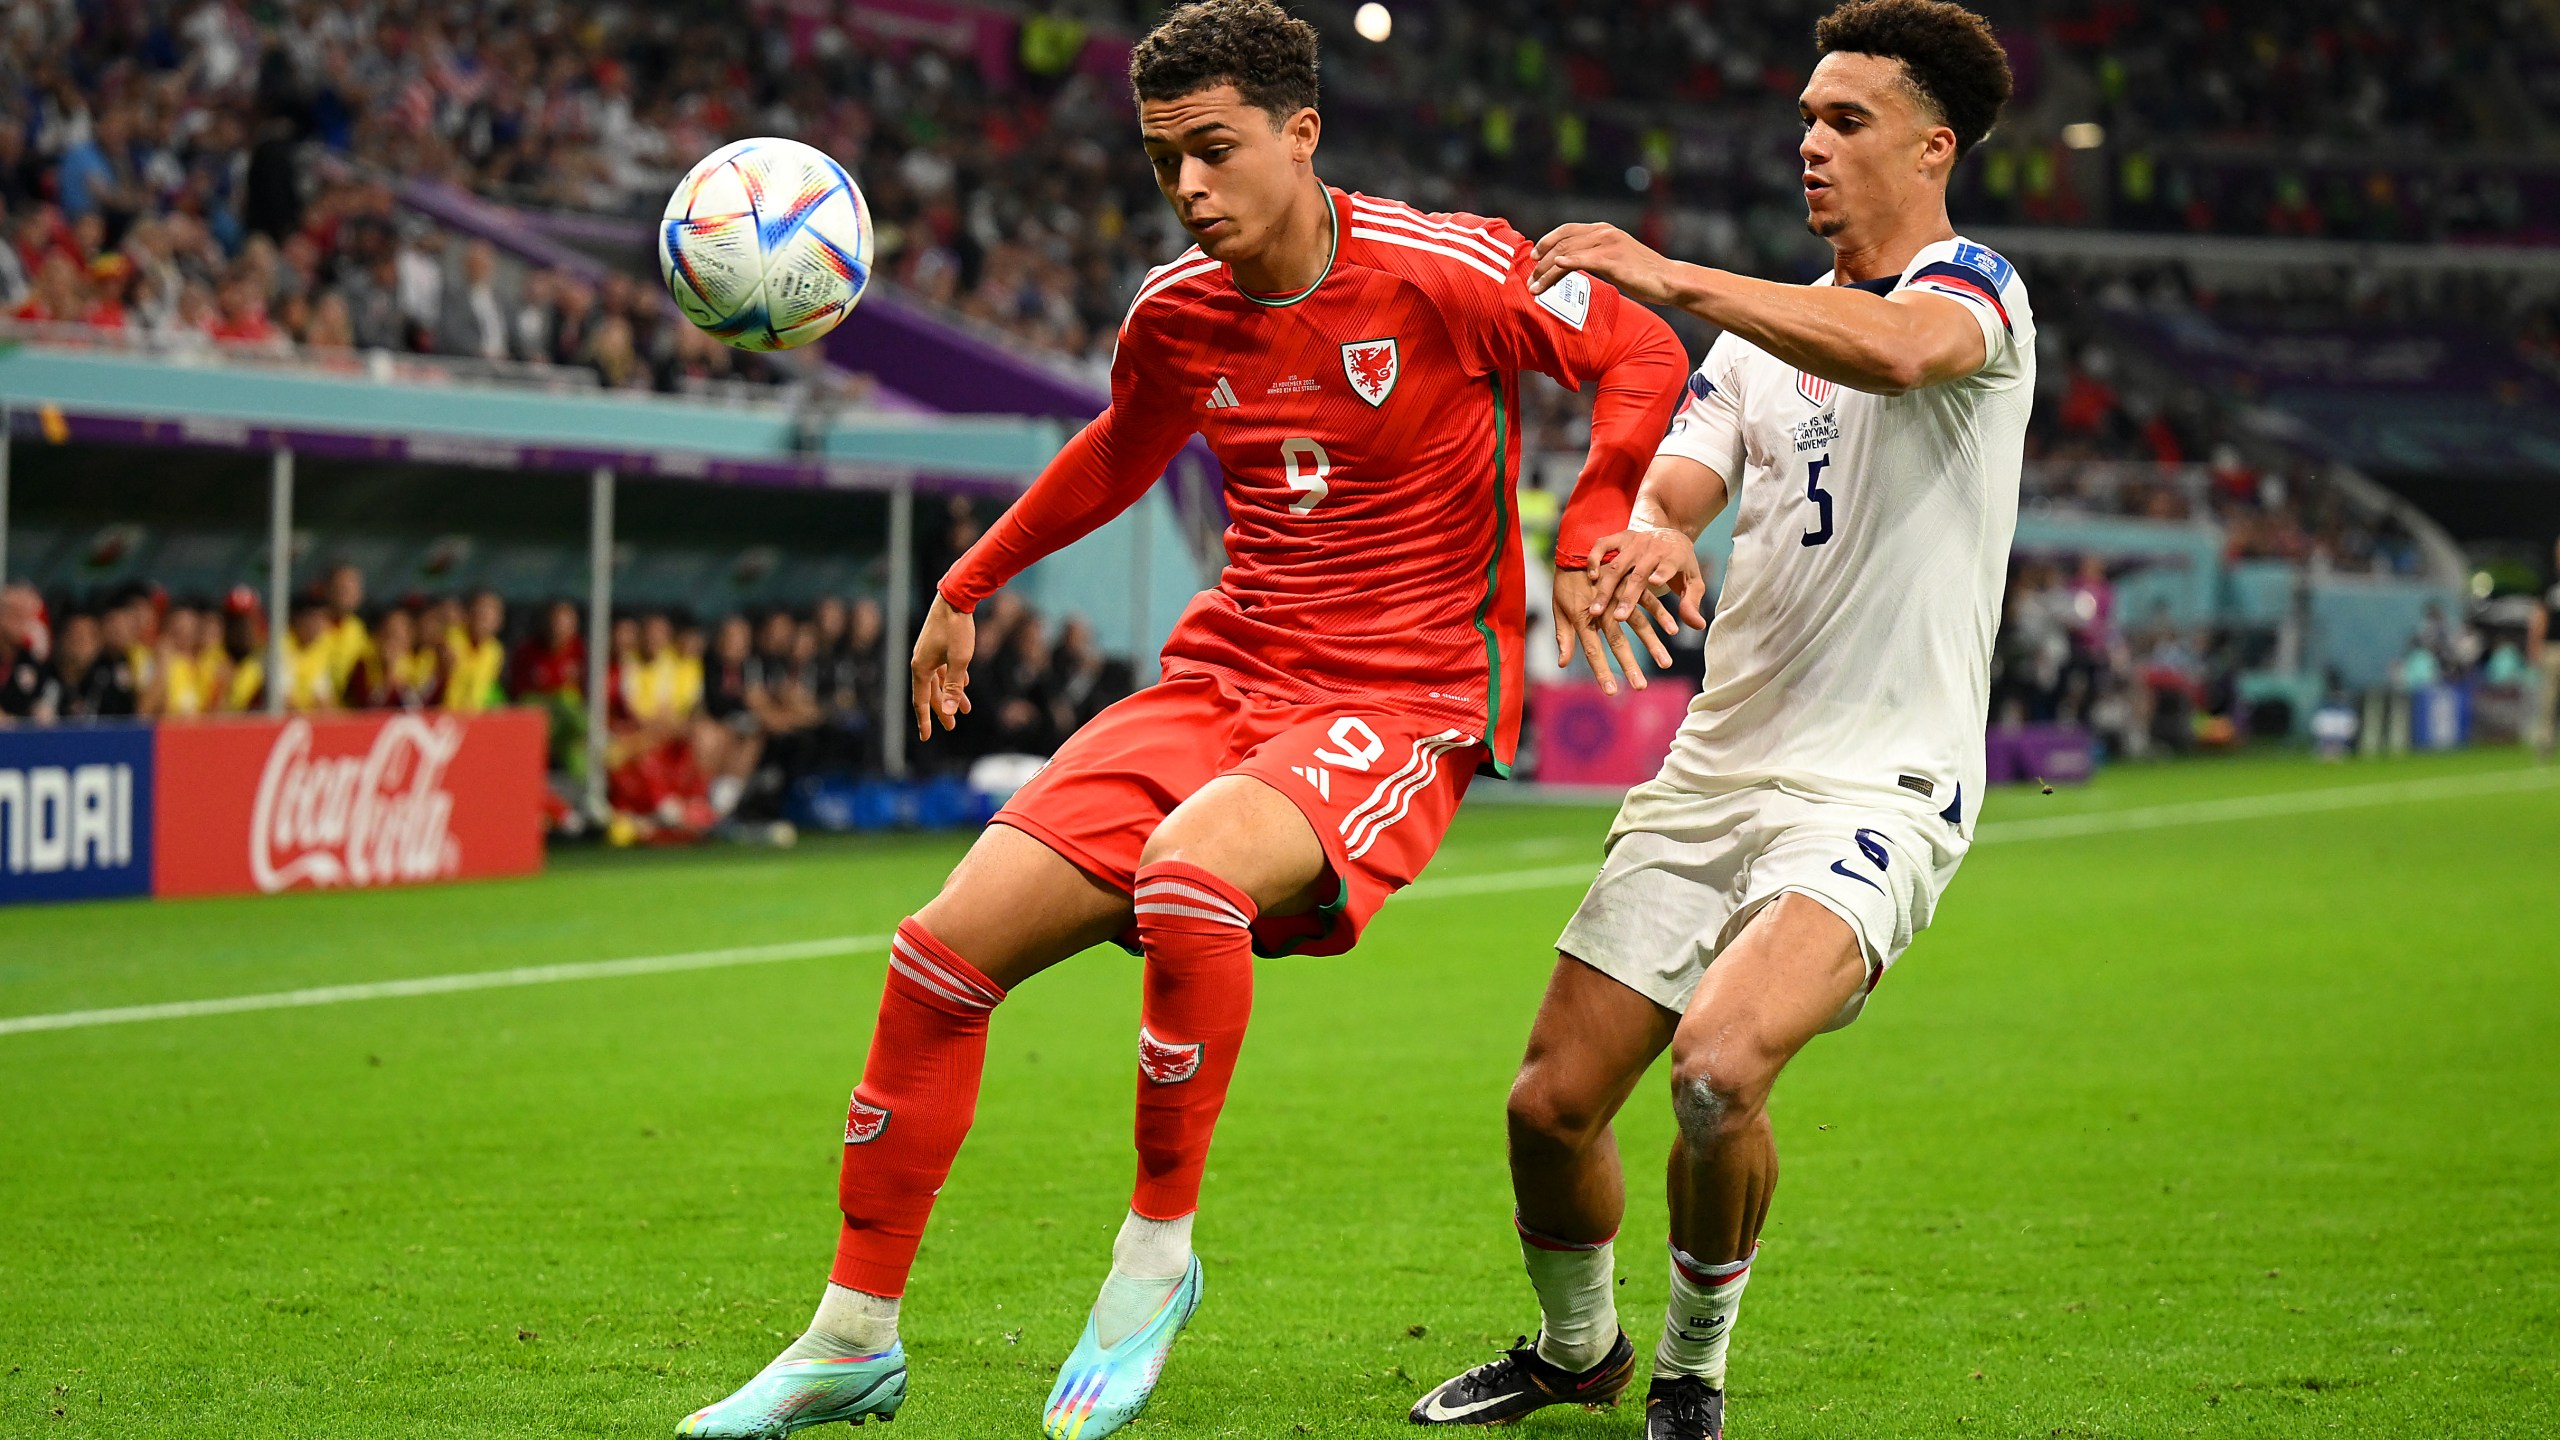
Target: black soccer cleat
(1683,1407)
(1517,1382)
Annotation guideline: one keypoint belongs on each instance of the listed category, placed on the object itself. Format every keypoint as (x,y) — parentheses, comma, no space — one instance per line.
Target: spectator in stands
(657,693)
(244,642)
(95,673)
(728,736)
(550,670)
(30,691)
(350,644)
(476,659)
(404,674)
(782,690)
(846,681)
(1017,695)
(131,625)
(311,658)
(1082,680)
(473,320)
(187,679)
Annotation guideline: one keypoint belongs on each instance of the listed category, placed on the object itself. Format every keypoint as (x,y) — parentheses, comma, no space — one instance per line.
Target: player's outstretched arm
(1884,345)
(1099,473)
(1635,367)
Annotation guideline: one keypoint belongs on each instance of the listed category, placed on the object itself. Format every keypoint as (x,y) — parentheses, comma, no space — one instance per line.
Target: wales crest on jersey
(1370,366)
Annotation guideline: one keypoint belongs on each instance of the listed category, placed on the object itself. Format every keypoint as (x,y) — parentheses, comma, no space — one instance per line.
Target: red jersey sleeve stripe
(1389,237)
(1471,239)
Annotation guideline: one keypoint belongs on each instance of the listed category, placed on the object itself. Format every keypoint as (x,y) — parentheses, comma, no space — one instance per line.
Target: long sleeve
(1099,473)
(1581,332)
(1641,376)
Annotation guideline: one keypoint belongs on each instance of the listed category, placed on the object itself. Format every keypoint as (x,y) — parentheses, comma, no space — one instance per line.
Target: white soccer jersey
(1851,652)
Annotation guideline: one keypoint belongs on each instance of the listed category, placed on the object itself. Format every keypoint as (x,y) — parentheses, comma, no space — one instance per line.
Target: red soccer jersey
(1368,429)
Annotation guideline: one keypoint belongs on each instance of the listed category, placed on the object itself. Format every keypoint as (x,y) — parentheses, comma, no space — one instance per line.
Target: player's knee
(1712,1104)
(1169,842)
(1542,1112)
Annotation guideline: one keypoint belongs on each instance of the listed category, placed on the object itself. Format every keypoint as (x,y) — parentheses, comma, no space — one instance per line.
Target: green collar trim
(1335,207)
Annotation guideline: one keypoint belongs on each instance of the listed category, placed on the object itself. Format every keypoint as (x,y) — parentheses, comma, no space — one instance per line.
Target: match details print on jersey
(1851,652)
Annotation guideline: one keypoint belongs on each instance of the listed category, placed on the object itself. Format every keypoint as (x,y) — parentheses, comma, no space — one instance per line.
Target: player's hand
(1643,564)
(1600,640)
(1610,253)
(939,673)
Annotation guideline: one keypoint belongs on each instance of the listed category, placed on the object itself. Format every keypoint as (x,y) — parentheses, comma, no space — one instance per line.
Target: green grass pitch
(2238,1127)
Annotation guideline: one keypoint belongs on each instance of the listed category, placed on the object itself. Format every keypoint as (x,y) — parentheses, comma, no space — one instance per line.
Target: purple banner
(55,425)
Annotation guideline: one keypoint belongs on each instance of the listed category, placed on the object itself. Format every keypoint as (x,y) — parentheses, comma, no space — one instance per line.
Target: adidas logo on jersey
(1222,396)
(1317,776)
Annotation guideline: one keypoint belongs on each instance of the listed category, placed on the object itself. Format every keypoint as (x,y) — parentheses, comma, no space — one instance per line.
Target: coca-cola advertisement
(245,807)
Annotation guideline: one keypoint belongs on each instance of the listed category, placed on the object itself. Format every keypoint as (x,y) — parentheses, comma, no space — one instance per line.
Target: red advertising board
(244,807)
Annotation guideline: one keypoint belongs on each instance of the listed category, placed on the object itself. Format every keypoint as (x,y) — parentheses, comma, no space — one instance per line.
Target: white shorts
(1686,872)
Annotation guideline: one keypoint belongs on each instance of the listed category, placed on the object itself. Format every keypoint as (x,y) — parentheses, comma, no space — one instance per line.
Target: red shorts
(1378,787)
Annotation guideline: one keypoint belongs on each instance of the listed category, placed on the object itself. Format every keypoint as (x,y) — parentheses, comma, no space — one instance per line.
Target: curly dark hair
(1254,45)
(1948,55)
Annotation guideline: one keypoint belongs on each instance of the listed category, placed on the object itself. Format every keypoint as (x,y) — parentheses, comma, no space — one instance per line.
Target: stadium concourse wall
(260,806)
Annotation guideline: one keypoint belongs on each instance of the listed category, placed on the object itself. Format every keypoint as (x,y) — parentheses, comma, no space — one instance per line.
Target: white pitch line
(450,984)
(2103,822)
(2263,807)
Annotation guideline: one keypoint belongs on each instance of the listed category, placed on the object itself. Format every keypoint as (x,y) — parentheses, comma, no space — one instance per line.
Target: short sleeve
(1707,427)
(1984,283)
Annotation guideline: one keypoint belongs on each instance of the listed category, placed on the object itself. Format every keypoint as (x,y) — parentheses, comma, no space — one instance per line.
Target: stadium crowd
(2069,653)
(161,177)
(164,154)
(708,719)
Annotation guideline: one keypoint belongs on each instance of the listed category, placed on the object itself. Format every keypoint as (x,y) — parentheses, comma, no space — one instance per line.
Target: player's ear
(1300,132)
(1938,152)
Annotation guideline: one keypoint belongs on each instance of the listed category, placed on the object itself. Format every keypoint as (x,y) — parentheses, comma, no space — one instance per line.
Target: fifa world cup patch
(1164,1064)
(1370,366)
(863,1121)
(1569,299)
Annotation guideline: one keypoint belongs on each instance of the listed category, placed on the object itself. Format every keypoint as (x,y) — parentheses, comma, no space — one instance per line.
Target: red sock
(919,1092)
(1199,993)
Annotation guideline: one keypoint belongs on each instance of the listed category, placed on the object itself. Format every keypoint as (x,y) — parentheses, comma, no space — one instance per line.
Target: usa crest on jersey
(1370,366)
(1816,390)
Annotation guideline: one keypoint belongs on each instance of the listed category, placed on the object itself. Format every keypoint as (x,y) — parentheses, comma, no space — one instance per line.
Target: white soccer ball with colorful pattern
(766,245)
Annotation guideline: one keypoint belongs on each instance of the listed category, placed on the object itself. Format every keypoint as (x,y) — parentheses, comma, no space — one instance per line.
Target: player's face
(1228,172)
(1871,147)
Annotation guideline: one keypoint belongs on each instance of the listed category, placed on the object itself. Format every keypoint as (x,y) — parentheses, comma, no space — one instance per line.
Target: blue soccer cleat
(1100,1390)
(790,1395)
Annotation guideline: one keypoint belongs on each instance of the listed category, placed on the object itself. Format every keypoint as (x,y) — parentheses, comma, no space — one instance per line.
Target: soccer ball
(766,244)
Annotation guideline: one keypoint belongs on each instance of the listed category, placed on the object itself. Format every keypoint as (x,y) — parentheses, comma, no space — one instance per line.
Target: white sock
(1577,1298)
(1148,1260)
(848,1323)
(1698,1323)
